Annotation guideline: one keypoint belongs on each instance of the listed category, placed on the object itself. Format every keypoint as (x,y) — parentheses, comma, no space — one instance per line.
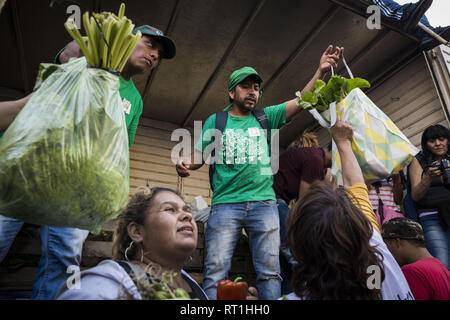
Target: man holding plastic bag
(379,146)
(102,135)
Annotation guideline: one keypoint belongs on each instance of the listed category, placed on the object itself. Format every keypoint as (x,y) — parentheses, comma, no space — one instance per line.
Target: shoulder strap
(261,116)
(133,270)
(125,266)
(377,186)
(221,120)
(422,161)
(402,178)
(221,123)
(196,289)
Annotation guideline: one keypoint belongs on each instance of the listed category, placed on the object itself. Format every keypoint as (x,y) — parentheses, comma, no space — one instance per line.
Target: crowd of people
(309,238)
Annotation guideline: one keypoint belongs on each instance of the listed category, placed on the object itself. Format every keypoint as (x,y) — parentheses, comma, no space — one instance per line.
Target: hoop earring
(129,247)
(126,250)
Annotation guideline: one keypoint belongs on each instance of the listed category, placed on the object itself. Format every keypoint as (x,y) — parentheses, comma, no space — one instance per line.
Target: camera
(444,167)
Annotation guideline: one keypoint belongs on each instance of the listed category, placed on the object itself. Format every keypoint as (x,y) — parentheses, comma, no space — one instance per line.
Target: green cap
(239,75)
(402,228)
(167,43)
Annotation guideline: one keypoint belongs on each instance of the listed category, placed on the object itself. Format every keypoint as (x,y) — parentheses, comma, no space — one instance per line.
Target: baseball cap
(167,43)
(239,75)
(402,228)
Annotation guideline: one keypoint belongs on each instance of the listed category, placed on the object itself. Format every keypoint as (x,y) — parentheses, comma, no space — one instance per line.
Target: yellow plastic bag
(379,146)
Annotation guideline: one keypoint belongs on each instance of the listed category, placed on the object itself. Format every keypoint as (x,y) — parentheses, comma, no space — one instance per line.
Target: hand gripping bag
(64,161)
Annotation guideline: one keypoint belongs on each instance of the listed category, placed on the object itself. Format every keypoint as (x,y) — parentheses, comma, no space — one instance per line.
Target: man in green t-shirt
(62,247)
(243,195)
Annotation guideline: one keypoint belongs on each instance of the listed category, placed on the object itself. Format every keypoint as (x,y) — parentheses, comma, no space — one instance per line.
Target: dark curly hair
(329,237)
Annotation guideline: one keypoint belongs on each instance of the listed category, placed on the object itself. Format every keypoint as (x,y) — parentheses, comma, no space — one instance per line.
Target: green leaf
(357,83)
(337,85)
(305,105)
(336,89)
(318,86)
(306,101)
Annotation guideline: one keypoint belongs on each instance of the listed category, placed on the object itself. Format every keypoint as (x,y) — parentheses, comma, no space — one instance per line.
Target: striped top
(386,195)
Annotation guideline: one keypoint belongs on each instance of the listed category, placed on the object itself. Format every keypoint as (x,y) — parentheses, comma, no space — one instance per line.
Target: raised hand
(341,131)
(330,59)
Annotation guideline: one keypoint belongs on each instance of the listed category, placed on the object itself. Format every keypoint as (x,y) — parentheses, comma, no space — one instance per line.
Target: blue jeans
(61,247)
(287,261)
(437,238)
(393,10)
(283,211)
(223,229)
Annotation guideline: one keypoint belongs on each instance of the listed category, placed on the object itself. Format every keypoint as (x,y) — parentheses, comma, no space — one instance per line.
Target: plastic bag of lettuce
(64,161)
(323,94)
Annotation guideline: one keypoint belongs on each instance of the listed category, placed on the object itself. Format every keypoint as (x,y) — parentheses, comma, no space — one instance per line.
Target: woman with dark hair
(334,235)
(429,174)
(155,235)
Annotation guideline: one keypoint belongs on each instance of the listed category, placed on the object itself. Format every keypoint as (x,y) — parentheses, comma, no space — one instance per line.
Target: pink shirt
(428,279)
(386,195)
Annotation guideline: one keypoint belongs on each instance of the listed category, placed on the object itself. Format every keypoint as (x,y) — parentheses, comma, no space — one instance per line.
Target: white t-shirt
(107,281)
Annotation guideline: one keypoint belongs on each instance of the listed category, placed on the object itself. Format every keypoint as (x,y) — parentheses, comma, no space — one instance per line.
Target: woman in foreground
(155,237)
(334,235)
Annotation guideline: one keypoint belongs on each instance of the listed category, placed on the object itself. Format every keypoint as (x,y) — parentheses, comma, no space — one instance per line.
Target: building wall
(151,162)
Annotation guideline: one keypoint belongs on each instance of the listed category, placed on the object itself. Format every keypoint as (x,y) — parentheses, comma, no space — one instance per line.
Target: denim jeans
(223,229)
(283,211)
(61,247)
(287,261)
(437,238)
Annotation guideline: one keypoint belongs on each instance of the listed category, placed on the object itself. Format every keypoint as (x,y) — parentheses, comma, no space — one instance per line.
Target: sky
(438,14)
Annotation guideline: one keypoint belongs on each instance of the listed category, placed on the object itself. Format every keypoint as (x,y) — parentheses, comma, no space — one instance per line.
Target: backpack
(221,122)
(409,205)
(385,213)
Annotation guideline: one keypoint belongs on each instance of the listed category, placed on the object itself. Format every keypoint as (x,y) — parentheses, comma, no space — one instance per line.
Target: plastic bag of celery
(64,161)
(379,146)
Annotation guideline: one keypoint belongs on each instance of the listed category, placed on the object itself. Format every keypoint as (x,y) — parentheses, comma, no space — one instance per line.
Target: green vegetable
(114,49)
(157,287)
(335,90)
(162,295)
(181,293)
(64,161)
(160,288)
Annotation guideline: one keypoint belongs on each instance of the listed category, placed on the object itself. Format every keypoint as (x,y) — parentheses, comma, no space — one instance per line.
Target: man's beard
(135,70)
(244,108)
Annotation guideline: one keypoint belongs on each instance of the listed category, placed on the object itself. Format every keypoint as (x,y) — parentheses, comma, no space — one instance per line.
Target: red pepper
(236,290)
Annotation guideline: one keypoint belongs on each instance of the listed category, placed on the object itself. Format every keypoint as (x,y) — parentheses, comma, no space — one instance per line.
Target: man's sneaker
(428,42)
(412,12)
